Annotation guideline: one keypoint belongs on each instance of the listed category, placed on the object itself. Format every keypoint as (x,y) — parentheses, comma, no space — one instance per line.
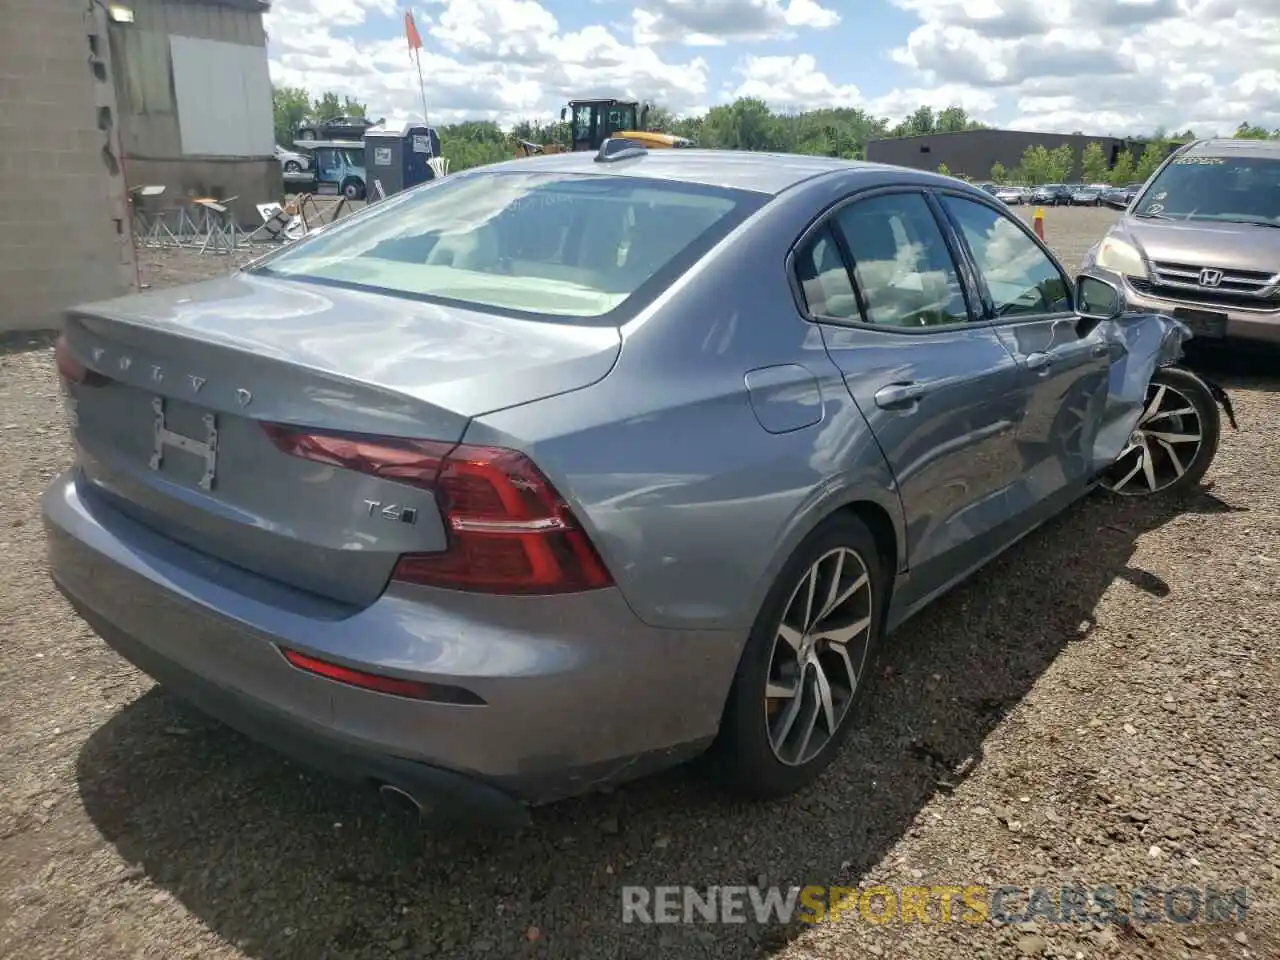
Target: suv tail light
(71,369)
(509,530)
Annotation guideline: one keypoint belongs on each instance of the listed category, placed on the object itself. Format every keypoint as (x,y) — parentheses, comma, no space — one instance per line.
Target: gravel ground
(1097,707)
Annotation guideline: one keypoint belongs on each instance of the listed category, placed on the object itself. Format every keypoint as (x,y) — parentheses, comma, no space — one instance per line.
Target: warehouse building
(64,218)
(972,153)
(194,96)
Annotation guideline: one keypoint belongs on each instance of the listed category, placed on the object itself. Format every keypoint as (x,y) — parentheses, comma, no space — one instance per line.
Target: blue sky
(1103,66)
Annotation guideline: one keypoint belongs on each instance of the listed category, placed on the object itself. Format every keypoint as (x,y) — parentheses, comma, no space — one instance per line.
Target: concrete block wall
(64,222)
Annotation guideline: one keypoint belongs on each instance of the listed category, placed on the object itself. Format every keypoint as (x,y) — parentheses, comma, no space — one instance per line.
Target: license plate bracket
(1206,324)
(206,449)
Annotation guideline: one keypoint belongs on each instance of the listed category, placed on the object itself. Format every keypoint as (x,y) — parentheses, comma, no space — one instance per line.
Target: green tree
(954,120)
(658,119)
(998,173)
(476,142)
(291,106)
(1123,171)
(1062,164)
(1246,131)
(746,124)
(1035,166)
(329,106)
(944,170)
(1153,154)
(922,121)
(1094,163)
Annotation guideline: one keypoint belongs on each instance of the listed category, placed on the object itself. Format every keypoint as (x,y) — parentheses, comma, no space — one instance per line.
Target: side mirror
(1098,299)
(564,113)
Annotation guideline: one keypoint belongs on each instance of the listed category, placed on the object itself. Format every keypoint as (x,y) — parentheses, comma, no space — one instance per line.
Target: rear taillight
(71,369)
(509,530)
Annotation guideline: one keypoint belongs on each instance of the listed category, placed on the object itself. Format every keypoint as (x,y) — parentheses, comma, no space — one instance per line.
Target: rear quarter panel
(694,506)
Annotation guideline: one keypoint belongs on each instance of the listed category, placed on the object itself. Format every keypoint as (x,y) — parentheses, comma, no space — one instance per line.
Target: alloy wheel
(819,652)
(1161,448)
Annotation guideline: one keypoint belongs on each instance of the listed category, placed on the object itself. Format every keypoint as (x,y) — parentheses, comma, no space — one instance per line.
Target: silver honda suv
(1201,241)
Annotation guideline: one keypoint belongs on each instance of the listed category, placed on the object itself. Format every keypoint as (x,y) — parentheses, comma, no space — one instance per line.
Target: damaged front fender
(1139,343)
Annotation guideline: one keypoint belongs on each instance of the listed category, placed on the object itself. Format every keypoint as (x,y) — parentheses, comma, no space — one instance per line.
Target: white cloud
(503,60)
(790,83)
(719,22)
(1104,66)
(1124,66)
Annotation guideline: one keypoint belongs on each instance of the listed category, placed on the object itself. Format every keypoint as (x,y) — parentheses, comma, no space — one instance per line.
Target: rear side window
(824,279)
(563,246)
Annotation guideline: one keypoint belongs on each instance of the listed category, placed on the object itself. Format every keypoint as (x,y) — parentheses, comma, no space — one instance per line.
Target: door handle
(899,395)
(1039,361)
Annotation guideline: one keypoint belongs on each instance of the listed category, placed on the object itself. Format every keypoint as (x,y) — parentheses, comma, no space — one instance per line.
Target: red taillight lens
(394,686)
(509,530)
(415,462)
(71,369)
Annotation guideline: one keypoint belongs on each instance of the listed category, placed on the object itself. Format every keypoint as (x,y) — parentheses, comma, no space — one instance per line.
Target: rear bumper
(577,693)
(1242,325)
(439,791)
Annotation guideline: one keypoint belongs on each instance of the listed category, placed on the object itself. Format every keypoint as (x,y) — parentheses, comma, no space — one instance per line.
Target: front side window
(901,262)
(552,245)
(1245,189)
(1022,280)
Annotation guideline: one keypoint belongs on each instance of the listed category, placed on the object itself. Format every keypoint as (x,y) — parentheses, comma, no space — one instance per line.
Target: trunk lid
(174,436)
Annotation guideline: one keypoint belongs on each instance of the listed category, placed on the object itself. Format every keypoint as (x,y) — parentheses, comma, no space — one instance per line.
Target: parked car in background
(1201,242)
(390,494)
(1120,197)
(1011,195)
(291,161)
(988,187)
(337,128)
(1085,195)
(1049,194)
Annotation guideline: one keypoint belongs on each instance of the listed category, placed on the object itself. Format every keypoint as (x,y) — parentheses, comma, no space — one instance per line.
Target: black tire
(743,757)
(353,189)
(306,135)
(1209,421)
(292,166)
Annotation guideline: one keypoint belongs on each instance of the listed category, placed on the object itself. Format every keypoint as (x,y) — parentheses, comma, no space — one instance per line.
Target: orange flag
(411,32)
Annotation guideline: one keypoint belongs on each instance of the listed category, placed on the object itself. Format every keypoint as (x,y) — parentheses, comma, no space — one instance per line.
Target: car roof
(1234,148)
(768,173)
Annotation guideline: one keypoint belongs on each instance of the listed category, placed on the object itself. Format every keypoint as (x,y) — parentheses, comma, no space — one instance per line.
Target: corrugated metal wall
(213,119)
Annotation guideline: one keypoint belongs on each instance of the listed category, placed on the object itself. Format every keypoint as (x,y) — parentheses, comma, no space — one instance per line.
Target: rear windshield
(563,246)
(1216,188)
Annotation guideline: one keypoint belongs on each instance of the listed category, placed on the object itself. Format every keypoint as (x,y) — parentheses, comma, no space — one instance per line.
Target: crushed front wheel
(1174,442)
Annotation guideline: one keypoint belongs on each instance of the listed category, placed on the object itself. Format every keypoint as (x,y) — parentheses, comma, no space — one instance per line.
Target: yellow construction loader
(592,122)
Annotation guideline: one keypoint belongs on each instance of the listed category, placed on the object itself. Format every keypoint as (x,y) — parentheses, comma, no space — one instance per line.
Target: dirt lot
(1097,707)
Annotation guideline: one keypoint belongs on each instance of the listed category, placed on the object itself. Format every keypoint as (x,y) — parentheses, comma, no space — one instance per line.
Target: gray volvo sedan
(550,473)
